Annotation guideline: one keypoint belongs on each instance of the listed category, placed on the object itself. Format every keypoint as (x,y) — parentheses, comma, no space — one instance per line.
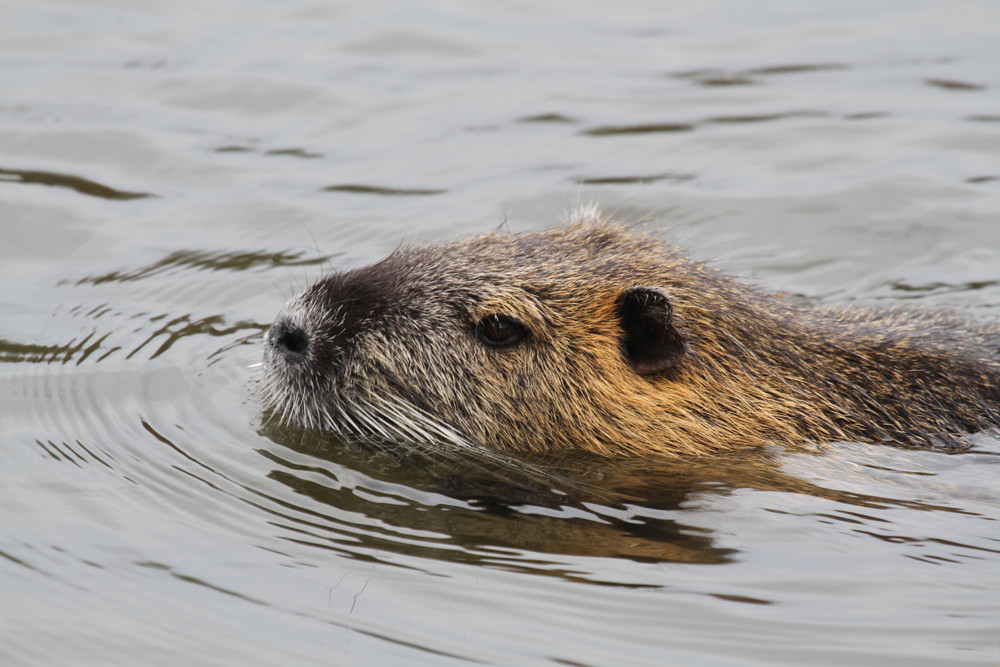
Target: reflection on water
(154,332)
(200,260)
(625,180)
(754,75)
(379,190)
(81,185)
(477,513)
(656,128)
(585,506)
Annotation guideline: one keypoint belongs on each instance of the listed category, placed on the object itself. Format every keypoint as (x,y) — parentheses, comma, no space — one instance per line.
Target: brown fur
(390,352)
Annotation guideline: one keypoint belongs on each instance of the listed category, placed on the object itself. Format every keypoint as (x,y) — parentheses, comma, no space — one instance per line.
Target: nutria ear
(651,344)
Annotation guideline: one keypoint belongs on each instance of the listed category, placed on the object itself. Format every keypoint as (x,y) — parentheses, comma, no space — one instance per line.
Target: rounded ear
(651,343)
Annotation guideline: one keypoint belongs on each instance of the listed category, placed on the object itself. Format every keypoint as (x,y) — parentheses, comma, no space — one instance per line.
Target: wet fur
(393,355)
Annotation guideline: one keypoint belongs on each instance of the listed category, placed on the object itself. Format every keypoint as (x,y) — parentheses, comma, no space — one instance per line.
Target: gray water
(172,172)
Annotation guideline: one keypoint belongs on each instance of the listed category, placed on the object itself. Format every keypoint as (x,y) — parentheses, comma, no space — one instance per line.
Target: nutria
(599,336)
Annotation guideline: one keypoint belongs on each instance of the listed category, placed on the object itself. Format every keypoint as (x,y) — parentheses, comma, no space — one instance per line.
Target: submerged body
(602,338)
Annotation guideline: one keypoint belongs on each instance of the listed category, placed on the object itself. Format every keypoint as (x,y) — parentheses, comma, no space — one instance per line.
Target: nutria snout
(603,338)
(289,341)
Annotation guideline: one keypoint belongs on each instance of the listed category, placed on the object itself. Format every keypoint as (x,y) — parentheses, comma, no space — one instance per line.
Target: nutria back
(601,337)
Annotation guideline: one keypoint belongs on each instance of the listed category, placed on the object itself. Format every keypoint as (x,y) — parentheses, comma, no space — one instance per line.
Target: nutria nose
(289,340)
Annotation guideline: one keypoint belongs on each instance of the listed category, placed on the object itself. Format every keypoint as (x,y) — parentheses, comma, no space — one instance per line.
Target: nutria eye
(500,331)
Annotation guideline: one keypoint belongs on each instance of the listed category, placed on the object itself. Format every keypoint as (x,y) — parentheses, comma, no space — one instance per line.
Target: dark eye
(500,331)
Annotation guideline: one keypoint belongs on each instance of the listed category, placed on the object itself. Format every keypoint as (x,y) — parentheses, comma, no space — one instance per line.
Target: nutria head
(507,341)
(599,337)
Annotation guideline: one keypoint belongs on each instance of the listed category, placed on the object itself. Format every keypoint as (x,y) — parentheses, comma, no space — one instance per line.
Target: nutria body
(598,337)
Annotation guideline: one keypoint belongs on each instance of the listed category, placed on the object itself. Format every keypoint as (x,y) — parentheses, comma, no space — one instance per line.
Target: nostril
(290,340)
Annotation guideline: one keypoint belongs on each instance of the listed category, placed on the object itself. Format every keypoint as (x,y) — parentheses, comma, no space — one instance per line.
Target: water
(171,172)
